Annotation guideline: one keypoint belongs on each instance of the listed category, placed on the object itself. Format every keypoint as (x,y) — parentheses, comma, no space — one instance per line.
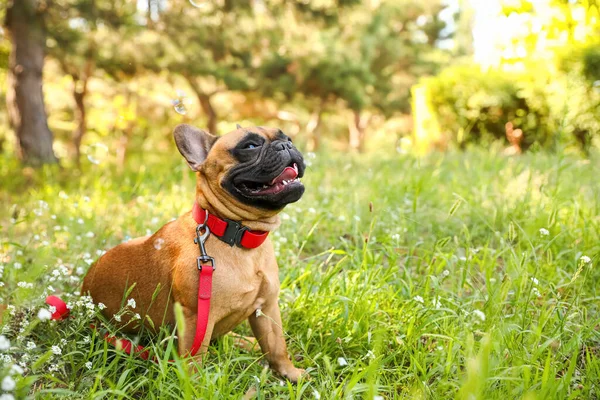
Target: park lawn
(460,275)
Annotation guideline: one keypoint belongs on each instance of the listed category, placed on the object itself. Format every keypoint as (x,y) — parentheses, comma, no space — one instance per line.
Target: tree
(25,99)
(85,37)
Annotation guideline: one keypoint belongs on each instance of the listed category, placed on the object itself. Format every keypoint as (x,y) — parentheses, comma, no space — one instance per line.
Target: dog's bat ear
(193,144)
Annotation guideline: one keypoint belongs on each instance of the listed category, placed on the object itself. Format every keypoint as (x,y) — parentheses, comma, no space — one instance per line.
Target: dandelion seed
(101,306)
(479,314)
(88,365)
(131,303)
(4,343)
(342,361)
(44,314)
(8,384)
(544,232)
(56,350)
(30,345)
(419,299)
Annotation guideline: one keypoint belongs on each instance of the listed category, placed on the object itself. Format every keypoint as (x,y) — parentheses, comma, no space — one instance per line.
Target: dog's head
(250,167)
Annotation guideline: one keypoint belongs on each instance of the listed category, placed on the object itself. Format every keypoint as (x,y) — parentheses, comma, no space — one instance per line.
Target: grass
(401,278)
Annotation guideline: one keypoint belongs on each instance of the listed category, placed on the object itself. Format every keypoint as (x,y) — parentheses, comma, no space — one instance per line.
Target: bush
(472,106)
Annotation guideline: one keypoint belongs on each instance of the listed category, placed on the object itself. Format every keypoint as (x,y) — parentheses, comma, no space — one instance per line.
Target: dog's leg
(185,342)
(267,329)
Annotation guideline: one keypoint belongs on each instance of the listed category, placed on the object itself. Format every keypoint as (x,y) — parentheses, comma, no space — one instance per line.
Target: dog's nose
(282,145)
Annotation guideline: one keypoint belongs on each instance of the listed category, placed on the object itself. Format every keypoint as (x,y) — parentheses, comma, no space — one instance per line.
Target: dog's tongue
(288,174)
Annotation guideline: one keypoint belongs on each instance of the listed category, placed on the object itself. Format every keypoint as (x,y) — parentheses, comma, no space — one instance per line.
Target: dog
(245,177)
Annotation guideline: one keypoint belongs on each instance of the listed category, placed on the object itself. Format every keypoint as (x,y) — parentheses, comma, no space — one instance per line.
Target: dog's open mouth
(287,179)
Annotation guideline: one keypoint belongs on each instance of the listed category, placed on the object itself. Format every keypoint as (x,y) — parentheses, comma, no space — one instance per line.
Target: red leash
(228,231)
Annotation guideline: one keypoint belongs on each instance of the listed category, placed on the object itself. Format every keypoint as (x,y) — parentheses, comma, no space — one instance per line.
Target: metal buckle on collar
(199,240)
(233,233)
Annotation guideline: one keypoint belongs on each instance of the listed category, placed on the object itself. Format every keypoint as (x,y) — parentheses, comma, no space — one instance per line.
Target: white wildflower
(479,314)
(80,221)
(88,365)
(30,345)
(25,285)
(44,314)
(544,232)
(137,316)
(316,394)
(396,237)
(15,369)
(53,368)
(312,210)
(419,299)
(101,306)
(8,384)
(7,396)
(17,265)
(534,280)
(342,361)
(585,259)
(56,350)
(446,272)
(86,339)
(117,317)
(131,303)
(4,343)
(90,234)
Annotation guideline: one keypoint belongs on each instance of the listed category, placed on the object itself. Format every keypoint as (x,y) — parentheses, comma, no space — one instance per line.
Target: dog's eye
(251,146)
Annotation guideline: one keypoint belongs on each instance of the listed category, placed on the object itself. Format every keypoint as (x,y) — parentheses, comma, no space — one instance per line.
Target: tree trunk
(27,113)
(313,127)
(205,103)
(356,128)
(80,83)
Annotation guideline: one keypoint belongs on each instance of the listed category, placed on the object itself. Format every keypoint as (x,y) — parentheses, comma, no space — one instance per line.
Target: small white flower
(101,306)
(88,365)
(535,281)
(25,285)
(436,302)
(137,316)
(90,234)
(419,299)
(479,314)
(378,398)
(56,350)
(316,394)
(342,361)
(312,210)
(117,318)
(544,232)
(53,368)
(80,221)
(30,345)
(44,314)
(8,384)
(446,272)
(341,218)
(536,292)
(15,369)
(585,259)
(17,265)
(86,339)
(131,303)
(396,237)
(7,396)
(4,343)
(356,218)
(50,288)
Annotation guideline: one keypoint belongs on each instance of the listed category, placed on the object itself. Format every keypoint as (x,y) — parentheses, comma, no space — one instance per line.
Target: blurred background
(336,75)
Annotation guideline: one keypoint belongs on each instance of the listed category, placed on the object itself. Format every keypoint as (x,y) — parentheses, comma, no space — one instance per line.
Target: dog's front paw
(292,374)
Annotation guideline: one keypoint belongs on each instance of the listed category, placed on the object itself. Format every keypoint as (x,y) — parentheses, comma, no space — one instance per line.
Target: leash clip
(199,240)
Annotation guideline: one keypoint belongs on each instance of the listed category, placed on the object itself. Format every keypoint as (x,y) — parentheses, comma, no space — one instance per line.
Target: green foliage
(467,278)
(474,106)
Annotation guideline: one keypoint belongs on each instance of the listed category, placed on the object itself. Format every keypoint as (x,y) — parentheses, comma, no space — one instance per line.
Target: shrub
(472,106)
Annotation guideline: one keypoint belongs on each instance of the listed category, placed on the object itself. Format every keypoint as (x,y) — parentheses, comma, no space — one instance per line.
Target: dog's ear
(193,144)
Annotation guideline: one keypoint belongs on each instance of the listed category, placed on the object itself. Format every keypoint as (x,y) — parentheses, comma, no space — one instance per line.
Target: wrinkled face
(267,171)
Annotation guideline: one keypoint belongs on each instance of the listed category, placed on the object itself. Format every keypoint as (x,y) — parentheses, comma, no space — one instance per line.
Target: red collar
(228,231)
